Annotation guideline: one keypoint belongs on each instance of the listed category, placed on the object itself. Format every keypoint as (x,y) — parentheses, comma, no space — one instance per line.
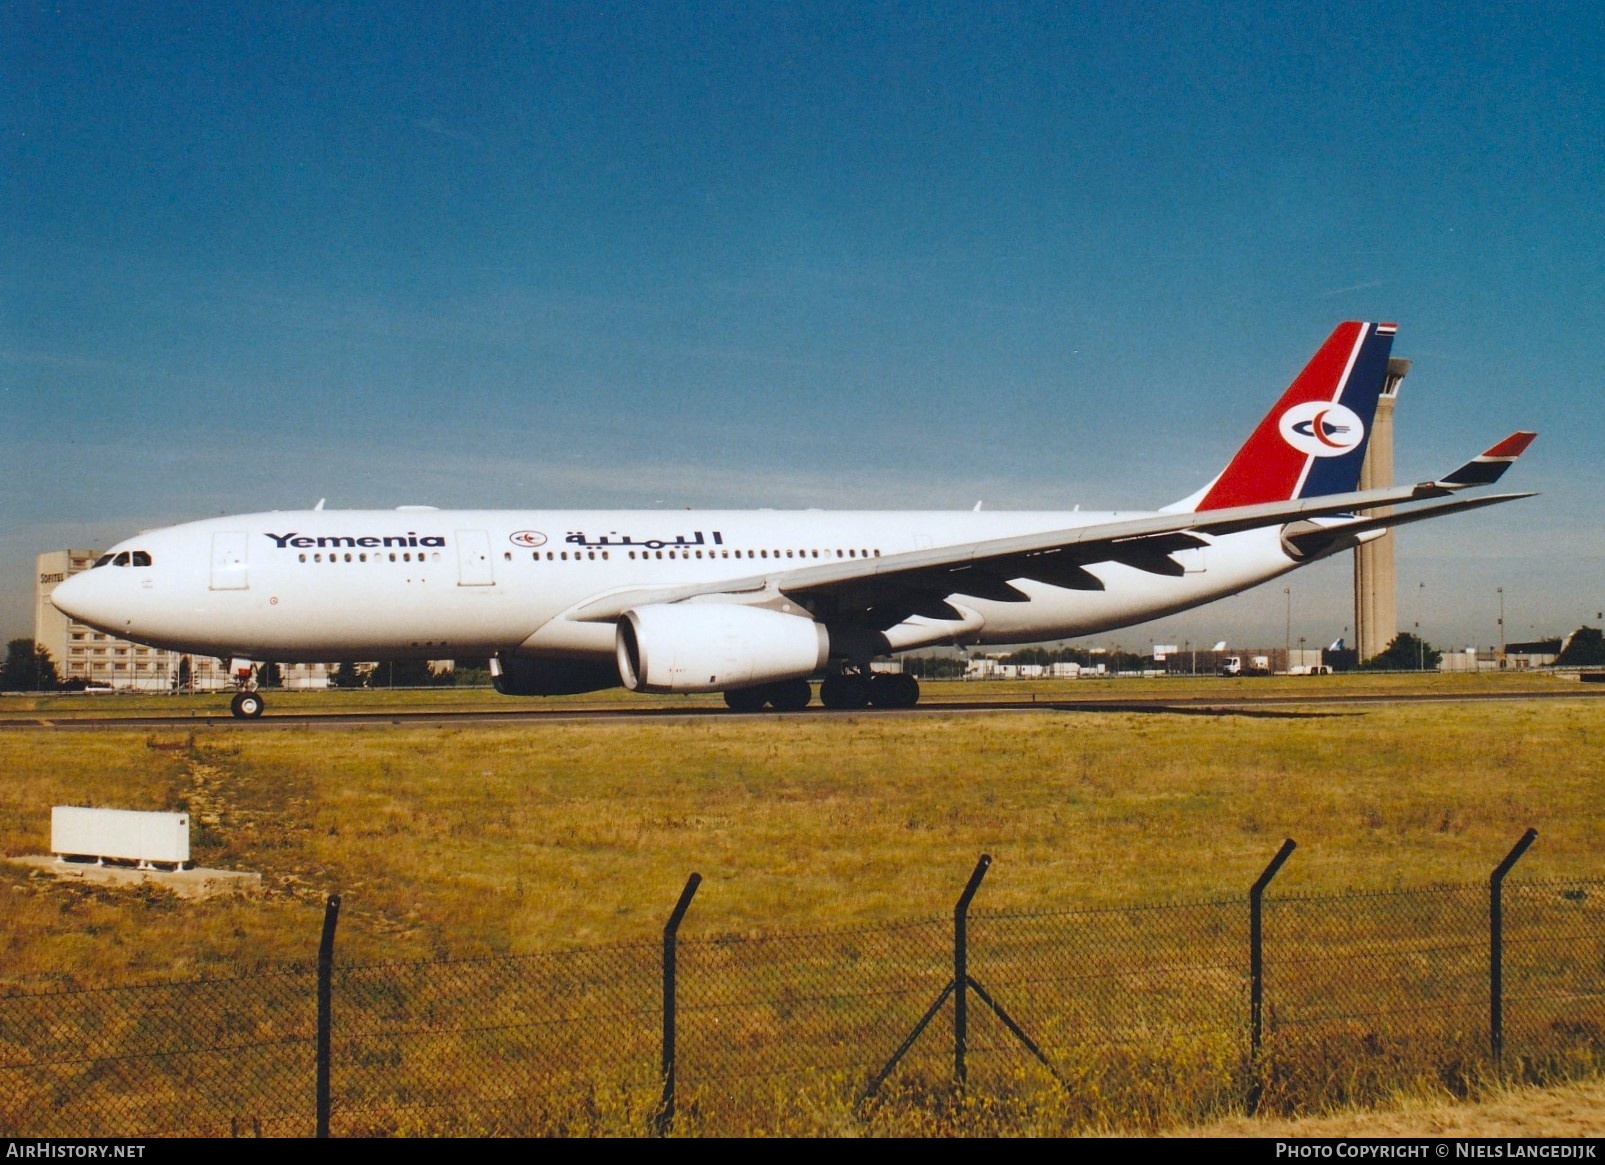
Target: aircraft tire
(246,705)
(790,695)
(745,699)
(894,691)
(844,693)
(905,691)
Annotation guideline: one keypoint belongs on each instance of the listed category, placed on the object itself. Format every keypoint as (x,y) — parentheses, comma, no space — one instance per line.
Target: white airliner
(755,603)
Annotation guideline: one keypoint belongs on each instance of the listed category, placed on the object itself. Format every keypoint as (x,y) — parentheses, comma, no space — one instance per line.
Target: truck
(1258,665)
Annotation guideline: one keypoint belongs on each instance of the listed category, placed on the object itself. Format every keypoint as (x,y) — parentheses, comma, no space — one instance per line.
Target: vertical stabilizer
(1313,441)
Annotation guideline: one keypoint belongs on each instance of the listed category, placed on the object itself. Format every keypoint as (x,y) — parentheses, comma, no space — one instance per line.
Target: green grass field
(78,706)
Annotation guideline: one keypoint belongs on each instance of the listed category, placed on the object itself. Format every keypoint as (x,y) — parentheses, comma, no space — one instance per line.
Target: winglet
(1487,468)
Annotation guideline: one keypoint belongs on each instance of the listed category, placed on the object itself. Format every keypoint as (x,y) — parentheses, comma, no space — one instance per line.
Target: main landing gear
(879,690)
(246,705)
(847,691)
(786,696)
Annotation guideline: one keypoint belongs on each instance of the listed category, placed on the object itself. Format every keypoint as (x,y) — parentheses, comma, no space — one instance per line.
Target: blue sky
(859,255)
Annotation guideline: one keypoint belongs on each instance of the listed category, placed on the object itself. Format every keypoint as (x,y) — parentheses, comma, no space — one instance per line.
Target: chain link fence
(1051,1021)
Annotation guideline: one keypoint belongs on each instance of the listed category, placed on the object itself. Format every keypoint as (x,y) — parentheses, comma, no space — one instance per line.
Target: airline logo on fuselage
(353,542)
(527,538)
(1322,428)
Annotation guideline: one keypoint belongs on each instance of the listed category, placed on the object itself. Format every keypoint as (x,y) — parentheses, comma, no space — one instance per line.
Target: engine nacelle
(709,647)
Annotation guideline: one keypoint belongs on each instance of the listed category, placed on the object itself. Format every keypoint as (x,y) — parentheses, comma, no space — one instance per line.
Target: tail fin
(1314,439)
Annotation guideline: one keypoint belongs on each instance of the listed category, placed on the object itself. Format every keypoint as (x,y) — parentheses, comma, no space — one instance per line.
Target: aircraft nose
(83,597)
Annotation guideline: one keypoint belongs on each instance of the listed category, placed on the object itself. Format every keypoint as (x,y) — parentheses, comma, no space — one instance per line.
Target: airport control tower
(1376,606)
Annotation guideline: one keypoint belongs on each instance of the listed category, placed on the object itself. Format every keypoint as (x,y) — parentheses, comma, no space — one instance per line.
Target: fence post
(1496,947)
(671,929)
(961,967)
(1256,968)
(331,914)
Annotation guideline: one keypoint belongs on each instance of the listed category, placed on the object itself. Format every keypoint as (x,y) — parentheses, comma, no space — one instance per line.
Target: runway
(1277,705)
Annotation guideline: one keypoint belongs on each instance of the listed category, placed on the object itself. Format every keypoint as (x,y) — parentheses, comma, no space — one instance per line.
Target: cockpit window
(125,558)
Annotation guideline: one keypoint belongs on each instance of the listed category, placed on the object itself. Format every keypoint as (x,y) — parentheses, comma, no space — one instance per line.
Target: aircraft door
(473,559)
(228,560)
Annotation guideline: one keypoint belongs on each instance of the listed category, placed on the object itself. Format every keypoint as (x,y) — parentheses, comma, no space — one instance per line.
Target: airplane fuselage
(330,585)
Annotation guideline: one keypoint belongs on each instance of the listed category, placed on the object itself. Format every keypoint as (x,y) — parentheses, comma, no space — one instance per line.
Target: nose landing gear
(246,705)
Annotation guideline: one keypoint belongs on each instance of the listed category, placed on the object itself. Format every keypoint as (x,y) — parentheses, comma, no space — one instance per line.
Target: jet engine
(710,647)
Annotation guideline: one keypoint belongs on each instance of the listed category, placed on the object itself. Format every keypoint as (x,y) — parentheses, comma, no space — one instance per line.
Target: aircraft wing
(883,592)
(893,588)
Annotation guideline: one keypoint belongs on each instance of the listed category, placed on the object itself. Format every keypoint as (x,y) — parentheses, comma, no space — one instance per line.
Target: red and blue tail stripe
(1313,441)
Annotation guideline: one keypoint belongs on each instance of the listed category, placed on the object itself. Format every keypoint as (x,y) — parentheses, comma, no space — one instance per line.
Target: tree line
(1585,647)
(29,667)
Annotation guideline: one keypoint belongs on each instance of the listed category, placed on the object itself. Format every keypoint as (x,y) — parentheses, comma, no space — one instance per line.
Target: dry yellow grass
(1567,1111)
(534,836)
(449,840)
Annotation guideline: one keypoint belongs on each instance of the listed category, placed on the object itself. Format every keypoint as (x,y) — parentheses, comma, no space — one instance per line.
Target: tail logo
(1322,428)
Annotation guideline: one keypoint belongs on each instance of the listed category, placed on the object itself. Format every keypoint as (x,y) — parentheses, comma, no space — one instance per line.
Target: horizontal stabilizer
(1308,539)
(1487,468)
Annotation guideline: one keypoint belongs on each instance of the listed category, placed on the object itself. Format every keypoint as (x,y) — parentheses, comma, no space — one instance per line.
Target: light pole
(1287,632)
(1421,650)
(1501,660)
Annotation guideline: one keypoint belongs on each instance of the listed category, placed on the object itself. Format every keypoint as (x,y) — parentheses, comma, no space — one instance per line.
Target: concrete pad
(192,883)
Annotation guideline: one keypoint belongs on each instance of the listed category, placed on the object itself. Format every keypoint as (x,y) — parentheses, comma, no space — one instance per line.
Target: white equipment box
(121,835)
